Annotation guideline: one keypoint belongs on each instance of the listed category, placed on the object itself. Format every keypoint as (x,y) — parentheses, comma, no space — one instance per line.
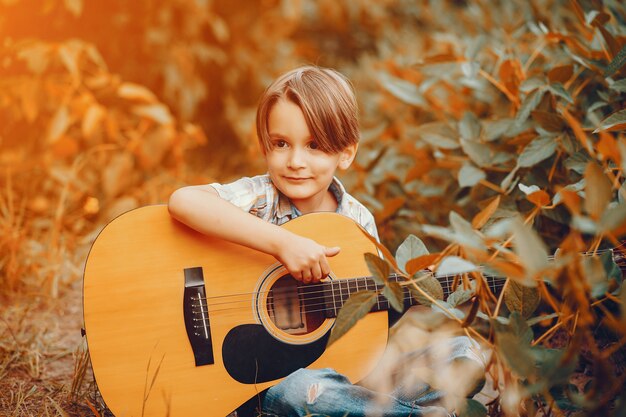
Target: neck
(336,293)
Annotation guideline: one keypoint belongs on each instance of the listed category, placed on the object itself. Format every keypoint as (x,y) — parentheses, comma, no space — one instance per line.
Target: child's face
(297,168)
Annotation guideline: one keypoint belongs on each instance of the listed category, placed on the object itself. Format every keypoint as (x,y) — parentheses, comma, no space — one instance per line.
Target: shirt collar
(287,211)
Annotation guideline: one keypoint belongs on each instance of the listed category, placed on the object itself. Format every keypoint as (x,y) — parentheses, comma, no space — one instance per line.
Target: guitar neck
(336,293)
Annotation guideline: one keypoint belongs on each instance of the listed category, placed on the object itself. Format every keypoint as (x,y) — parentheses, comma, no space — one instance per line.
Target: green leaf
(530,248)
(453,265)
(439,135)
(429,285)
(617,63)
(517,356)
(411,248)
(619,86)
(613,217)
(473,408)
(598,190)
(469,126)
(521,298)
(616,121)
(536,151)
(460,296)
(402,89)
(354,309)
(595,275)
(529,104)
(465,233)
(479,153)
(558,90)
(469,175)
(394,293)
(378,267)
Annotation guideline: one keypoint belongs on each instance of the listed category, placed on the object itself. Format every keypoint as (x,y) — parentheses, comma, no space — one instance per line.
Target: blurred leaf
(536,151)
(453,312)
(598,190)
(59,124)
(135,92)
(460,296)
(473,408)
(465,233)
(558,90)
(354,309)
(521,298)
(550,121)
(539,198)
(612,218)
(429,285)
(530,248)
(595,275)
(453,265)
(389,209)
(561,73)
(469,126)
(469,175)
(617,63)
(619,86)
(485,214)
(439,135)
(529,104)
(479,153)
(156,112)
(516,355)
(394,293)
(402,89)
(616,121)
(420,263)
(611,268)
(412,247)
(378,267)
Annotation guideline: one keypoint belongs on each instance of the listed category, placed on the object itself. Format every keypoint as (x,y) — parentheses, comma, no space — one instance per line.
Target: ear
(347,155)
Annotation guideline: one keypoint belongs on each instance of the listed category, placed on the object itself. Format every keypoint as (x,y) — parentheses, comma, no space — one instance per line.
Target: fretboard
(337,292)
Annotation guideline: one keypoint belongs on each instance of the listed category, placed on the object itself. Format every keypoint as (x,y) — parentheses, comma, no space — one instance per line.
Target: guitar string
(326,308)
(394,275)
(307,294)
(342,300)
(321,285)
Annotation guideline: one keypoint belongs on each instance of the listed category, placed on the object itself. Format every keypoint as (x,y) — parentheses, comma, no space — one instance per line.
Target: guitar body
(180,324)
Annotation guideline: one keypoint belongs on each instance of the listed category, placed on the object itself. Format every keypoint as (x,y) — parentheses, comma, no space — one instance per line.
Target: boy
(307,127)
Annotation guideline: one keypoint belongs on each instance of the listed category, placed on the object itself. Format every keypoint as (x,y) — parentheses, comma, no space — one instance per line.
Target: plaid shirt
(259,196)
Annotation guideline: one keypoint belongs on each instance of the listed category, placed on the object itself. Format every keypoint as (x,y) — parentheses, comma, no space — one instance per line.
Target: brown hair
(327,101)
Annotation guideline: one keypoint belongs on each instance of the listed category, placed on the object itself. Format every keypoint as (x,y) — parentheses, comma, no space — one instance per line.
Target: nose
(296,159)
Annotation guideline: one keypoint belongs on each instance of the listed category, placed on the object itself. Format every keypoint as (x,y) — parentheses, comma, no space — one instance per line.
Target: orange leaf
(481,218)
(607,146)
(571,200)
(421,262)
(65,147)
(561,73)
(508,269)
(578,131)
(539,198)
(389,209)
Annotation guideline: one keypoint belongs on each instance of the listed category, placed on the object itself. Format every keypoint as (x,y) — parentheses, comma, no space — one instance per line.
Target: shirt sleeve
(245,193)
(368,223)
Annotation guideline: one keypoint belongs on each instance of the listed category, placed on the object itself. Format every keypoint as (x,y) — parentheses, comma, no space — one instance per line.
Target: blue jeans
(324,392)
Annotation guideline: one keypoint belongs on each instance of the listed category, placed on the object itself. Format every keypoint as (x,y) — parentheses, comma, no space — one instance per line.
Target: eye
(314,145)
(280,144)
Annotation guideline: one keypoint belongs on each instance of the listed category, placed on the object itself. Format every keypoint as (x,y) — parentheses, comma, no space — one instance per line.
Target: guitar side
(133,310)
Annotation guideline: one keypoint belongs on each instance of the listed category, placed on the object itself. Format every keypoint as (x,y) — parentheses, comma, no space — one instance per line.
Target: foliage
(518,128)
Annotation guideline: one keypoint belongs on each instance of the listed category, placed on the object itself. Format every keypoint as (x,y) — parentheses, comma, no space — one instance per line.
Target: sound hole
(294,307)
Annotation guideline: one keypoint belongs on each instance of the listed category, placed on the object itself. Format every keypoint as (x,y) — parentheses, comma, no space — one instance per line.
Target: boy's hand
(305,259)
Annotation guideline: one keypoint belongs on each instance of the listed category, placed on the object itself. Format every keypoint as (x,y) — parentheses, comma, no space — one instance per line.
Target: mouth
(296,179)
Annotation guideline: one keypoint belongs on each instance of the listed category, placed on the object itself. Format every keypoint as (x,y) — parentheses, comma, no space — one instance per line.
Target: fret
(345,294)
(332,287)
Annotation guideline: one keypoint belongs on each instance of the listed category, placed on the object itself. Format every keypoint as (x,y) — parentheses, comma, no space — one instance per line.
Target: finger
(332,251)
(306,276)
(325,268)
(316,273)
(297,275)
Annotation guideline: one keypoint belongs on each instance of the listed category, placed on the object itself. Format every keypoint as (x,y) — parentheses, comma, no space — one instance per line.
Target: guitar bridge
(196,314)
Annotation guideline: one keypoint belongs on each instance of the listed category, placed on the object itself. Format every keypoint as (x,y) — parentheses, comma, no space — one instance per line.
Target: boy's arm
(202,209)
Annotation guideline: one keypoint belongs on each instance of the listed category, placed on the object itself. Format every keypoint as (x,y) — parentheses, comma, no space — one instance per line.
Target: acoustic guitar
(180,324)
